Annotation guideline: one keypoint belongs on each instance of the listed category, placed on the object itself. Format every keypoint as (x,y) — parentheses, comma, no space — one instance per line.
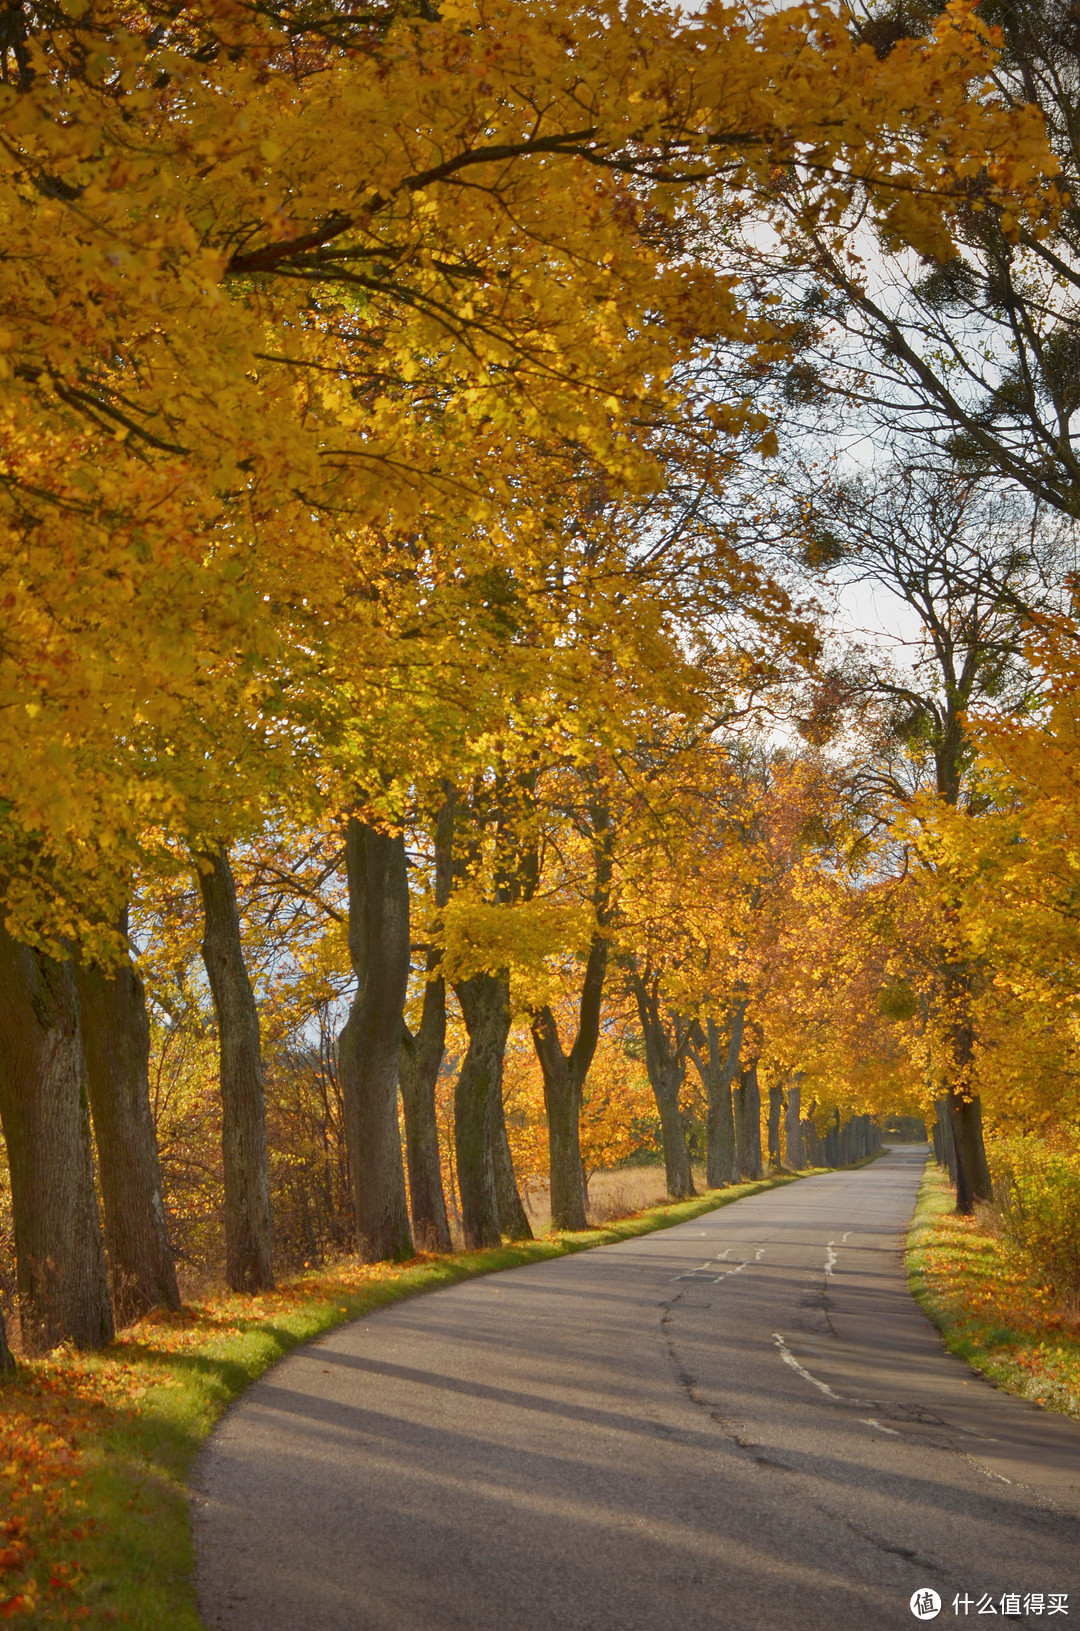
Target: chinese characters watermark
(926,1604)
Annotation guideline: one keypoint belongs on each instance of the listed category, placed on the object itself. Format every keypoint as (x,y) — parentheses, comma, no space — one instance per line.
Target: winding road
(741,1422)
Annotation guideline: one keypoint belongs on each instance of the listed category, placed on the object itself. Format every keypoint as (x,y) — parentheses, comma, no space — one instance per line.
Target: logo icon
(925,1604)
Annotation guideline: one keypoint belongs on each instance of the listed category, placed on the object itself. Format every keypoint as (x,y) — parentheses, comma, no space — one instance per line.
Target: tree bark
(419,1059)
(749,1117)
(116,1040)
(717,1069)
(972,1172)
(796,1155)
(965,1109)
(248,1220)
(62,1284)
(969,1152)
(7,1359)
(812,1143)
(512,1217)
(944,1146)
(666,1067)
(832,1142)
(677,1170)
(562,1101)
(565,1073)
(776,1105)
(369,1044)
(485,1003)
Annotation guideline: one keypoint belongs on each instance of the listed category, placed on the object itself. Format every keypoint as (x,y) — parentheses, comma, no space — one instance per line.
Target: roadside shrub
(1037,1202)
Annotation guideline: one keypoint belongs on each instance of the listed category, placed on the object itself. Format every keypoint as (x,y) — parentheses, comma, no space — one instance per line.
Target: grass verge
(95,1450)
(986,1304)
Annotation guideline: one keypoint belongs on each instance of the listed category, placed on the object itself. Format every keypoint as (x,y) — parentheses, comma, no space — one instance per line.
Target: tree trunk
(248,1221)
(485,1003)
(965,1110)
(512,1219)
(7,1360)
(419,1059)
(63,1287)
(943,1138)
(776,1105)
(565,1073)
(677,1169)
(749,1094)
(796,1155)
(665,1064)
(369,1044)
(844,1142)
(717,1071)
(832,1141)
(562,1101)
(116,1039)
(969,1152)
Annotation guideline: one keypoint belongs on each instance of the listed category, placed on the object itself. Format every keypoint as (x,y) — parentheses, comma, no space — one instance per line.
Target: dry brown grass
(612,1195)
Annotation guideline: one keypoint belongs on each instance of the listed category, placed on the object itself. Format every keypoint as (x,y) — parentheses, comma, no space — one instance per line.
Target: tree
(959,560)
(667,1039)
(289,300)
(718,1066)
(62,1285)
(419,1059)
(248,1221)
(368,1046)
(115,1030)
(565,1072)
(1014,885)
(973,347)
(370,218)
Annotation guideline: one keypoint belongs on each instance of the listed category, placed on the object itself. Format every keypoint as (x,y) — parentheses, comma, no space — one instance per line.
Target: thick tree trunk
(116,1039)
(512,1219)
(62,1283)
(369,1044)
(776,1105)
(565,1073)
(665,1064)
(749,1110)
(677,1169)
(419,1059)
(248,1220)
(969,1152)
(965,1110)
(562,1101)
(718,1069)
(485,1003)
(796,1155)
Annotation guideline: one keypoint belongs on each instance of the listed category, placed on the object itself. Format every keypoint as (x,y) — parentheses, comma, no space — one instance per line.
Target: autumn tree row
(369,385)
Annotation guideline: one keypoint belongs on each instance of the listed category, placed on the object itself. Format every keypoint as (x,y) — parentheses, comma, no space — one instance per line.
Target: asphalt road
(741,1422)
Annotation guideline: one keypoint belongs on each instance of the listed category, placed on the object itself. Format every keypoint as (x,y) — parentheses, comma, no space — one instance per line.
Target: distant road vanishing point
(741,1422)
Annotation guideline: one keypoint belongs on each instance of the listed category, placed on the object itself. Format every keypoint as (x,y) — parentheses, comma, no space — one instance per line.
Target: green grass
(987,1304)
(96,1451)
